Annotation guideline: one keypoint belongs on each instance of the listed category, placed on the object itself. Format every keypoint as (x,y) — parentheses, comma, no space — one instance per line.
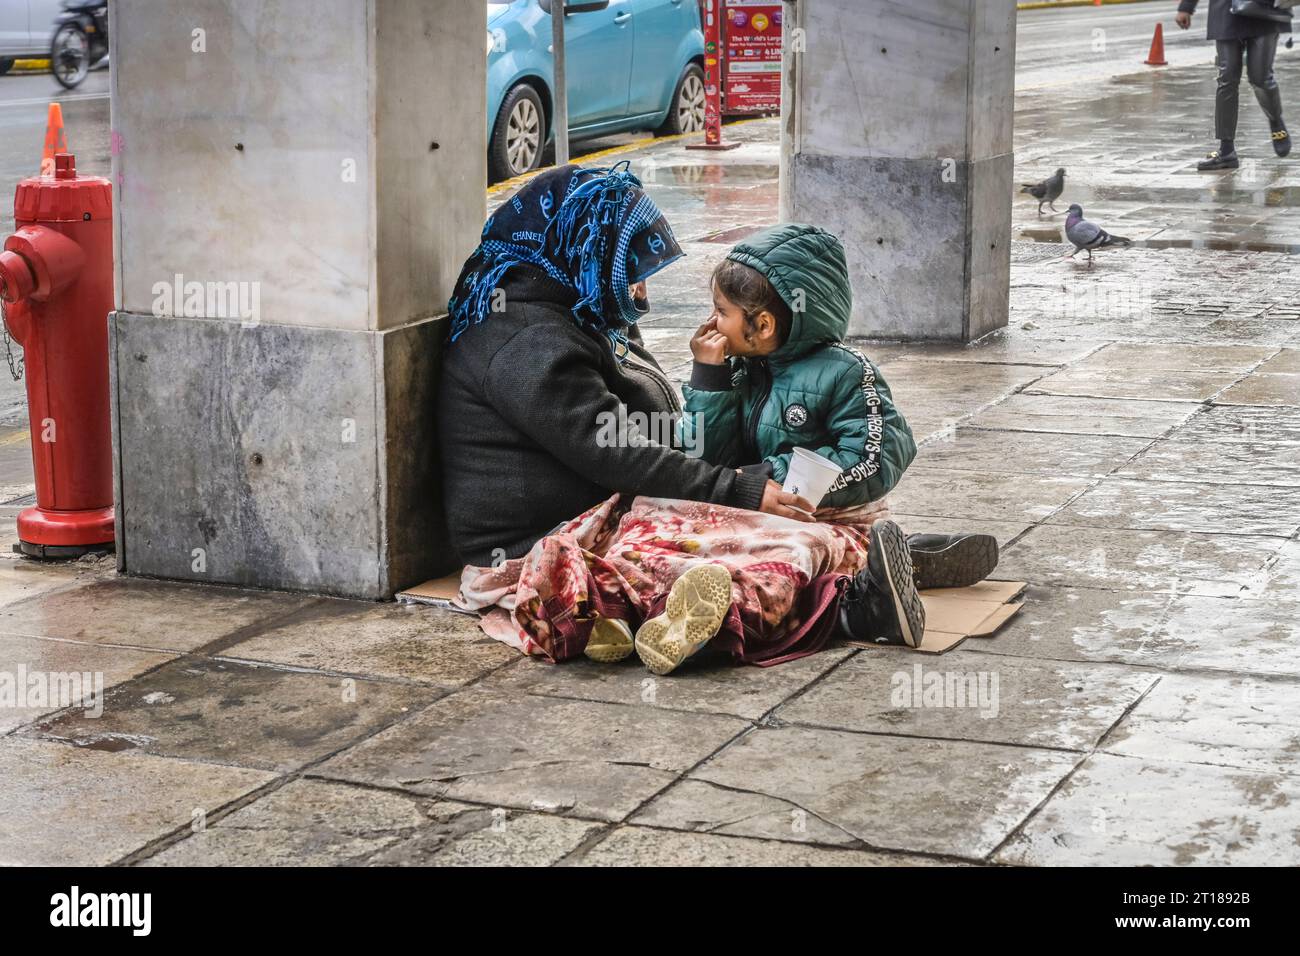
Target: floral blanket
(620,558)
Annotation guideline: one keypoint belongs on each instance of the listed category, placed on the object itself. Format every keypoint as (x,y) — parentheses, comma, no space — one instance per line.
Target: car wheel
(686,115)
(519,134)
(6,64)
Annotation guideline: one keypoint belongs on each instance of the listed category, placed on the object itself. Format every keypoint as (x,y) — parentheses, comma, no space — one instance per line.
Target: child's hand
(708,345)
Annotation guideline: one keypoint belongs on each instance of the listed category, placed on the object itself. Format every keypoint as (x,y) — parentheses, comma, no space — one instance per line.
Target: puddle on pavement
(108,743)
(691,173)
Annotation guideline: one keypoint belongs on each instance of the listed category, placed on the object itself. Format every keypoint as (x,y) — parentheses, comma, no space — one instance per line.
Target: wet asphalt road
(1081,44)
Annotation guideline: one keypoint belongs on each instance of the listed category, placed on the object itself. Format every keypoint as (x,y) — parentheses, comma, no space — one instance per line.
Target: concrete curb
(30,66)
(1047,4)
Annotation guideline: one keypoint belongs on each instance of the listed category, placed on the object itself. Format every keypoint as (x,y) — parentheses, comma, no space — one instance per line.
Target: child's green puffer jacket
(813,392)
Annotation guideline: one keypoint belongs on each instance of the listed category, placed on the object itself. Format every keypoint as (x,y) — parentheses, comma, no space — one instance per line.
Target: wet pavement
(1131,438)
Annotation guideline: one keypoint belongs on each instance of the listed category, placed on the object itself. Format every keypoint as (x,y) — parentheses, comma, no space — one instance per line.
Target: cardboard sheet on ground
(954,614)
(951,614)
(436,592)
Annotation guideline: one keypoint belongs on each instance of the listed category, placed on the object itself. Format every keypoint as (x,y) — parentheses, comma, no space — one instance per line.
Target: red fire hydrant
(56,283)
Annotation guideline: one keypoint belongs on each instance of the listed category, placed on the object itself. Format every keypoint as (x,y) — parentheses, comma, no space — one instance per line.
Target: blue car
(631,64)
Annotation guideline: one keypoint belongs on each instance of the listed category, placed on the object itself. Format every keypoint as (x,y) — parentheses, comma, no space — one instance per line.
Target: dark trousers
(1258,53)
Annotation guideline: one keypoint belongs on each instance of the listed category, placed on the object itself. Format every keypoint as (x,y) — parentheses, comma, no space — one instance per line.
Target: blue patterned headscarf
(594,231)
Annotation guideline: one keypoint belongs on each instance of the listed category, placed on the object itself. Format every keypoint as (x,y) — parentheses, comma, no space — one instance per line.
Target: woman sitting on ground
(575,533)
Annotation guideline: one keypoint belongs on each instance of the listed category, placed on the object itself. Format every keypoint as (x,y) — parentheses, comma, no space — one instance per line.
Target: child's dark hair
(752,293)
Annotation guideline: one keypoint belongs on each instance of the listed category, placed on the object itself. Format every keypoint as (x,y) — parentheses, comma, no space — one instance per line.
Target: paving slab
(1030,453)
(967,494)
(713,687)
(143,613)
(1122,811)
(1168,631)
(1251,424)
(1286,360)
(705,807)
(1147,385)
(239,714)
(21,579)
(1184,506)
(389,641)
(592,760)
(320,823)
(1009,346)
(65,806)
(971,697)
(1084,416)
(486,836)
(1264,388)
(901,793)
(1226,463)
(643,846)
(1186,563)
(1174,357)
(1231,721)
(66,674)
(959,387)
(1279,579)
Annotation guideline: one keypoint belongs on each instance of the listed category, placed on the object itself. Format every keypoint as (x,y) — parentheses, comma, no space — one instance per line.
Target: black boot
(952,560)
(881,603)
(1217,160)
(1281,139)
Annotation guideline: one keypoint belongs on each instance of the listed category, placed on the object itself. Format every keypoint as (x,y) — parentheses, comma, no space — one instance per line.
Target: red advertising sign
(712,74)
(752,48)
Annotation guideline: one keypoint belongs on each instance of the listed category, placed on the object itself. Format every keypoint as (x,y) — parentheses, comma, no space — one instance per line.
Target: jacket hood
(807,268)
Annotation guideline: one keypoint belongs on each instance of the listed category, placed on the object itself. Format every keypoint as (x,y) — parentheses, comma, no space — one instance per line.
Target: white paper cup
(810,475)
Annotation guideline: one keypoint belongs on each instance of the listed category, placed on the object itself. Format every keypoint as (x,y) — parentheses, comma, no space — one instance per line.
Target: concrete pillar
(896,136)
(297,186)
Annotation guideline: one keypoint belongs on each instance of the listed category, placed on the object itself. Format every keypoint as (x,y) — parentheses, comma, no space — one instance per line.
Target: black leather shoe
(881,603)
(952,560)
(1215,161)
(1281,141)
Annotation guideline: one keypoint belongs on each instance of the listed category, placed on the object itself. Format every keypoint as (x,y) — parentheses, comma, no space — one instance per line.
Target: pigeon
(1048,191)
(1088,235)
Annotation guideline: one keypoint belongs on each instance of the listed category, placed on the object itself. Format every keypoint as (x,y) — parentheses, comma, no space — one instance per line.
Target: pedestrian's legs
(1259,69)
(1228,56)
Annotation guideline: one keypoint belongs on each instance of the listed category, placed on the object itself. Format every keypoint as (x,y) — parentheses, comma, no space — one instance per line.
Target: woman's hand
(785,503)
(708,345)
(1184,20)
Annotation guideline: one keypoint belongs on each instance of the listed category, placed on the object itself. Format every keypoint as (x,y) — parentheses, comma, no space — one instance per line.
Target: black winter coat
(1220,24)
(526,403)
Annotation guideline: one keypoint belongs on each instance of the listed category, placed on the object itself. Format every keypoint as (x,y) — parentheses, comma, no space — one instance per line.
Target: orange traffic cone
(1157,55)
(55,139)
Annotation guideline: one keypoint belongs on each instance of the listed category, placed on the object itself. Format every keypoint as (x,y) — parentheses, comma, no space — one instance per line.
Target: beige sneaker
(697,605)
(610,640)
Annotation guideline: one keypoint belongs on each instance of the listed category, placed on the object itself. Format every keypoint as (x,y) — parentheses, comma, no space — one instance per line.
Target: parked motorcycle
(80,40)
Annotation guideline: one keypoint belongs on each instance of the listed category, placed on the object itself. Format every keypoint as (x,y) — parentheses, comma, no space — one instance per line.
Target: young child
(772,374)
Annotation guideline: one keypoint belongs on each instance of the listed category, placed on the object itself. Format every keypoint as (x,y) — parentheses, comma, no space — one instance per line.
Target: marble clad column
(296,187)
(897,136)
